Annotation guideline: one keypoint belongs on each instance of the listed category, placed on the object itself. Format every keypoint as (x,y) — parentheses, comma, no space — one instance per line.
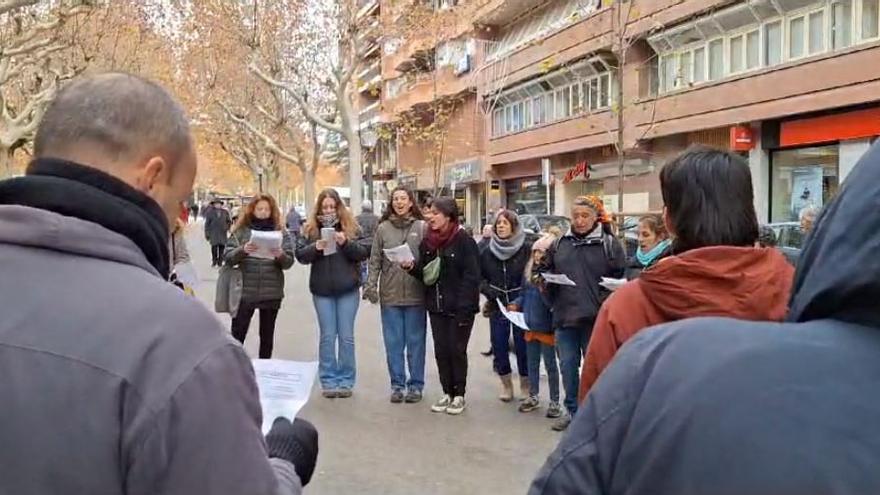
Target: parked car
(789,239)
(535,224)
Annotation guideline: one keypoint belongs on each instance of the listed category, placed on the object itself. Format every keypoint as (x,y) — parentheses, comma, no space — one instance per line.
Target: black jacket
(503,279)
(262,279)
(634,267)
(729,407)
(336,274)
(585,261)
(457,291)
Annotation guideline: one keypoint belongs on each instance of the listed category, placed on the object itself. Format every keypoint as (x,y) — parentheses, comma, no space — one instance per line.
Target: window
(549,113)
(605,91)
(716,59)
(841,24)
(737,46)
(563,103)
(595,97)
(870,18)
(699,65)
(773,43)
(667,73)
(538,111)
(817,32)
(527,115)
(753,50)
(498,122)
(685,69)
(576,106)
(796,30)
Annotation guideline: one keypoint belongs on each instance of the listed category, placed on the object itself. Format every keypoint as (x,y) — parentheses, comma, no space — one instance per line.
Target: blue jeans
(500,328)
(336,321)
(404,329)
(572,343)
(536,350)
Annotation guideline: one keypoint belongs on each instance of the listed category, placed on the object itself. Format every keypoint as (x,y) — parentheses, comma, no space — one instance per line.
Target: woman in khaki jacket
(401,297)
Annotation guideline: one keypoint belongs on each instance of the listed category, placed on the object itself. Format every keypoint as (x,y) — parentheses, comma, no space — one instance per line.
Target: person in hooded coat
(727,407)
(716,270)
(217,223)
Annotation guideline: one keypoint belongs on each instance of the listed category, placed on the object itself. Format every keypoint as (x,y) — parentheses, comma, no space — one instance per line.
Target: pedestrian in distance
(194,212)
(486,236)
(401,297)
(262,277)
(334,282)
(654,245)
(540,342)
(585,254)
(716,270)
(766,237)
(727,406)
(501,268)
(116,383)
(367,222)
(293,222)
(217,224)
(448,265)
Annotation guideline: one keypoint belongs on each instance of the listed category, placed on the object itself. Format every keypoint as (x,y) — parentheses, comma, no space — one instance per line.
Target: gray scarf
(504,249)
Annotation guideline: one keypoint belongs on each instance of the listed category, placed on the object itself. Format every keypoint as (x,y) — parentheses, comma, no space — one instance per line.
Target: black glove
(296,443)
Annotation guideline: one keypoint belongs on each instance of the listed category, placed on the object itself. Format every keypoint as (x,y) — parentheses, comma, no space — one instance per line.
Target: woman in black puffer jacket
(262,277)
(334,282)
(452,298)
(502,265)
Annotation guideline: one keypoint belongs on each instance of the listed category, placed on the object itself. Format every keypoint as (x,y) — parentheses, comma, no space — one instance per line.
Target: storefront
(464,182)
(529,195)
(813,157)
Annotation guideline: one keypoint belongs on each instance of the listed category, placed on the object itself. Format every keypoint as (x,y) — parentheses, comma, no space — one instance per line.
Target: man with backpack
(585,254)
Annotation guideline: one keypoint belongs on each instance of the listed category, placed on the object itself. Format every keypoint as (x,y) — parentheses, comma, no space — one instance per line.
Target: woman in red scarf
(448,265)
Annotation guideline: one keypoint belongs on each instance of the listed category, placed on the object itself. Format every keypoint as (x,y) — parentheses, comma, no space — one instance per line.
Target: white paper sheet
(328,235)
(515,317)
(559,279)
(266,242)
(400,254)
(186,273)
(612,284)
(285,387)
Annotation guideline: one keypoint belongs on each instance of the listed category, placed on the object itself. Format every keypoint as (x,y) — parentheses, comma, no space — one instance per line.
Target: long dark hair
(413,210)
(709,199)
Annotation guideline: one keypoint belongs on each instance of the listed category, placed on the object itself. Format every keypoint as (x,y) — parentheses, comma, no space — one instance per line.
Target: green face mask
(431,272)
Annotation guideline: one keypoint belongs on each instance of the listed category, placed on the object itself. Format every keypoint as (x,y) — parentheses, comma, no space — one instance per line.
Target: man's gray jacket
(112,380)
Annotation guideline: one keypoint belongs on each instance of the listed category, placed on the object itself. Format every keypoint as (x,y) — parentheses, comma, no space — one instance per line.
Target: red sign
(835,127)
(741,138)
(580,169)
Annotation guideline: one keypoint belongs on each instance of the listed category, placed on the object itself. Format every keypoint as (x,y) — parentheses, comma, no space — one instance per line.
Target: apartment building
(791,84)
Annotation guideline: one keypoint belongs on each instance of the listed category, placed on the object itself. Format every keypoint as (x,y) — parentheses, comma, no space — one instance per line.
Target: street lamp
(369,138)
(260,177)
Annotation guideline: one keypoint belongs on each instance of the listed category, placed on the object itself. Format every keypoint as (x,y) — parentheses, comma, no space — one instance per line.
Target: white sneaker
(442,405)
(457,406)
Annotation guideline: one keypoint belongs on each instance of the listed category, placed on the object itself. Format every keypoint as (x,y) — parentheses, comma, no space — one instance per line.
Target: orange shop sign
(580,169)
(741,138)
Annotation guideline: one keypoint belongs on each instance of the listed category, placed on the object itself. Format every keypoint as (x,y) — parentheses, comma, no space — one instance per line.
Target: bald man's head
(126,126)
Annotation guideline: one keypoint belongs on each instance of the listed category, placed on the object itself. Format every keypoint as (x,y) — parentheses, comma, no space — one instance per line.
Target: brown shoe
(345,393)
(330,394)
(524,387)
(506,388)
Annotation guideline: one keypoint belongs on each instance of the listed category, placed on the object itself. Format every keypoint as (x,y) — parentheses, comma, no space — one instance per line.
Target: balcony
(367,7)
(369,116)
(370,77)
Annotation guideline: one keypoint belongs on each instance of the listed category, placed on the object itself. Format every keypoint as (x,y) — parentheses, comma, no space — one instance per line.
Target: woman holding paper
(262,249)
(585,254)
(402,298)
(449,266)
(502,264)
(330,243)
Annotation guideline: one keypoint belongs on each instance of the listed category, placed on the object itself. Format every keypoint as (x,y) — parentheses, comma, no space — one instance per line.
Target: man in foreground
(720,406)
(113,381)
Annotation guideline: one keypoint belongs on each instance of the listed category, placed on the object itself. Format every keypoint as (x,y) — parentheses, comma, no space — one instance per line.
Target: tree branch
(309,112)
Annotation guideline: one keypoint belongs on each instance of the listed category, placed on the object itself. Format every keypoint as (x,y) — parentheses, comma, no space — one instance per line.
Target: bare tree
(349,37)
(36,55)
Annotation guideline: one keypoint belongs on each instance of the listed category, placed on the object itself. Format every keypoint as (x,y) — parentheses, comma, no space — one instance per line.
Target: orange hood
(746,283)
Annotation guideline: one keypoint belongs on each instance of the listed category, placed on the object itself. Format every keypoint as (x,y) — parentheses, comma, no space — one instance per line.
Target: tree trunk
(355,174)
(309,186)
(6,162)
